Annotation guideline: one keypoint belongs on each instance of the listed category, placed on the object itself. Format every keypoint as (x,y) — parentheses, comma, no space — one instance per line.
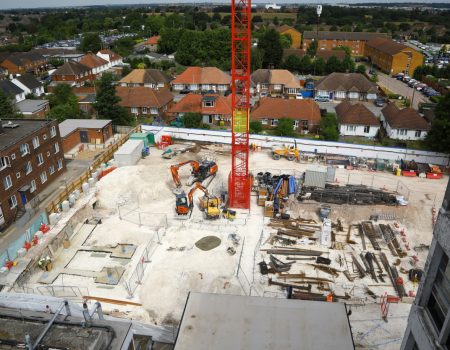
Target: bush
(255,127)
(329,127)
(285,127)
(192,120)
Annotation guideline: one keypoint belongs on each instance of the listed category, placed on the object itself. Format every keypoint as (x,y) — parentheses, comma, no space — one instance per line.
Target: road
(399,87)
(74,169)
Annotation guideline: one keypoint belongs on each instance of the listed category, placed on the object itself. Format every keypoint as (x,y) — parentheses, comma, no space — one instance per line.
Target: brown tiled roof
(346,82)
(72,68)
(83,90)
(152,40)
(140,96)
(327,35)
(406,118)
(386,45)
(355,114)
(203,75)
(145,76)
(275,76)
(284,28)
(92,61)
(193,103)
(112,55)
(277,108)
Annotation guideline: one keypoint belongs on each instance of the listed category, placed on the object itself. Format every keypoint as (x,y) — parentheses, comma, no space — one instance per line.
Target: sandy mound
(126,184)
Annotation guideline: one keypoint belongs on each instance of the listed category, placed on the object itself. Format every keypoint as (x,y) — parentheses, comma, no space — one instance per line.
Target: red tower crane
(239,181)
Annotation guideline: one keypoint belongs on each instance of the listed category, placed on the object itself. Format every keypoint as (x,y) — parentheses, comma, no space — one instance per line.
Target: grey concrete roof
(69,125)
(220,321)
(11,136)
(31,106)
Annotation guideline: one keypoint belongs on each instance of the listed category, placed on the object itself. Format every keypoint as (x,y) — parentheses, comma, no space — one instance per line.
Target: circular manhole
(208,243)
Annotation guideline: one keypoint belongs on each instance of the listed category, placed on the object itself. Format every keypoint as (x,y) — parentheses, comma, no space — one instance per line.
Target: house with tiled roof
(29,84)
(113,59)
(152,43)
(274,82)
(96,64)
(305,114)
(196,79)
(72,73)
(341,86)
(23,62)
(393,57)
(143,101)
(11,90)
(403,124)
(356,120)
(214,108)
(152,78)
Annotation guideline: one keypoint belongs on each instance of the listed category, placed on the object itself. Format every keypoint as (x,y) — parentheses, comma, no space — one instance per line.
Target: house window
(40,159)
(305,125)
(7,182)
(43,177)
(296,124)
(291,91)
(56,146)
(340,94)
(277,87)
(418,133)
(35,142)
(264,121)
(366,129)
(439,303)
(28,168)
(153,111)
(134,110)
(4,162)
(60,164)
(274,122)
(24,149)
(144,110)
(401,131)
(51,170)
(351,127)
(18,175)
(208,103)
(12,202)
(53,131)
(32,186)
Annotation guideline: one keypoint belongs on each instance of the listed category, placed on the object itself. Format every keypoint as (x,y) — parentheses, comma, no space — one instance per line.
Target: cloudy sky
(9,4)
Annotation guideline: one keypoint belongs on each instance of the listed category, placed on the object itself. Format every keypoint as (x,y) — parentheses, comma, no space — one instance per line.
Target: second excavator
(200,171)
(208,204)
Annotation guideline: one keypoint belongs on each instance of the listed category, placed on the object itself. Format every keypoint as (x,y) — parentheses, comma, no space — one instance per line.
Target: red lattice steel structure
(238,182)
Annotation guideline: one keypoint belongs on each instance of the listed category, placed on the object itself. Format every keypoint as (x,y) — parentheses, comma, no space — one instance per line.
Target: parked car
(185,91)
(406,78)
(322,99)
(263,94)
(399,76)
(420,87)
(379,102)
(299,96)
(372,71)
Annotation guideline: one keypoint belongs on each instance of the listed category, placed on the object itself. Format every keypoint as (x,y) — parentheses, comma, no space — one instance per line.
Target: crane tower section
(239,181)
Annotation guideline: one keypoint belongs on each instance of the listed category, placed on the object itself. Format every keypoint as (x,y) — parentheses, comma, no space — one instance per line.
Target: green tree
(90,42)
(348,65)
(438,138)
(62,94)
(285,127)
(312,49)
(257,59)
(192,120)
(124,46)
(306,65)
(271,45)
(66,111)
(256,127)
(292,63)
(329,127)
(107,102)
(319,66)
(333,65)
(286,41)
(361,69)
(7,107)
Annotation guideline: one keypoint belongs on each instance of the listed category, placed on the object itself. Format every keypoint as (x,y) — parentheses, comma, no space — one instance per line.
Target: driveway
(399,87)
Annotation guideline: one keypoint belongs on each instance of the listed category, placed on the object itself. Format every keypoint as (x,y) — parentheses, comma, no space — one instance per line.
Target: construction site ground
(145,257)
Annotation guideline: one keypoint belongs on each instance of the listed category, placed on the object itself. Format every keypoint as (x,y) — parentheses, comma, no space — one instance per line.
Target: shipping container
(129,153)
(147,137)
(331,174)
(316,176)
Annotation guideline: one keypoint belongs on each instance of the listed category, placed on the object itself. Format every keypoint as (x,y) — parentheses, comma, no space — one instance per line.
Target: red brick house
(72,73)
(304,113)
(143,101)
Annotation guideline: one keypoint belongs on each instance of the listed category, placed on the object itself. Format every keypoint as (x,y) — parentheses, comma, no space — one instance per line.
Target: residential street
(401,88)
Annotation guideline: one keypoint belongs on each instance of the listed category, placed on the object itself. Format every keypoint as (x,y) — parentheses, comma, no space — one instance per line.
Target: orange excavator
(210,205)
(200,171)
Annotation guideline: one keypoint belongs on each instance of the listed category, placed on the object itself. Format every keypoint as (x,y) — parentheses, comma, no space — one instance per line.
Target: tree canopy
(270,45)
(90,42)
(285,127)
(7,107)
(329,127)
(438,138)
(64,104)
(107,102)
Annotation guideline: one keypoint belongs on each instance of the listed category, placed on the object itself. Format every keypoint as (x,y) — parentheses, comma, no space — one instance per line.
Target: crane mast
(239,181)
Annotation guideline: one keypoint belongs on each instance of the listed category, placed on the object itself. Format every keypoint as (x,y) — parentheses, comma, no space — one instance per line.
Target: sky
(10,4)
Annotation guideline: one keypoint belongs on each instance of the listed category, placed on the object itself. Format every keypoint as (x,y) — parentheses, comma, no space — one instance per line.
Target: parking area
(401,88)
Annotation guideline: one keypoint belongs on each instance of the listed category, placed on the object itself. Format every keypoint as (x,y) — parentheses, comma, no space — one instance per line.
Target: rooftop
(275,76)
(93,61)
(346,82)
(31,106)
(406,118)
(220,321)
(25,127)
(10,89)
(145,76)
(70,125)
(328,35)
(193,103)
(71,68)
(280,108)
(203,75)
(387,45)
(355,114)
(29,81)
(140,96)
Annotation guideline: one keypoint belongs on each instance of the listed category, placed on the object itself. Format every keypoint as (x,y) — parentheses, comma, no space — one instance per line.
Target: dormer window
(209,101)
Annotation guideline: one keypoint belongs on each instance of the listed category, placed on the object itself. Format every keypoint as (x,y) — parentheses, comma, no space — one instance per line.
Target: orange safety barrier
(106,171)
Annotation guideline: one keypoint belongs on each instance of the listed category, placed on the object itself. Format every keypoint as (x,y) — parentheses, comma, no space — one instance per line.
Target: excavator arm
(197,186)
(174,170)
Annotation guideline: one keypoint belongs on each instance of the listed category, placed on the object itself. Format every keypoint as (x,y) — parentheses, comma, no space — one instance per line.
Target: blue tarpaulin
(292,185)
